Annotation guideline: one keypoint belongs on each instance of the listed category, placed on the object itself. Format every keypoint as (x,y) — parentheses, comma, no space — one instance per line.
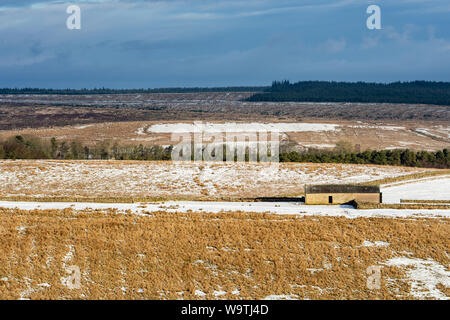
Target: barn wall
(339,198)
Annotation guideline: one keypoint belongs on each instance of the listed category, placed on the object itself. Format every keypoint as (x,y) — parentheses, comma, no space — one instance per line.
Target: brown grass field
(373,135)
(227,255)
(126,118)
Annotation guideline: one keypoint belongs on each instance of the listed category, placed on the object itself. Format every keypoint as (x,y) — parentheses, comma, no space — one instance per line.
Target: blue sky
(167,43)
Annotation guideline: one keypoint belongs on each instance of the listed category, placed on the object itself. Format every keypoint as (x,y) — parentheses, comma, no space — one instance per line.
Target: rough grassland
(214,256)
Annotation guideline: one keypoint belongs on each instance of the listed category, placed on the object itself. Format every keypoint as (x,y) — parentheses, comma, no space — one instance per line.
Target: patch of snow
(367,243)
(319,146)
(140,131)
(314,270)
(392,128)
(84,127)
(281,297)
(44,285)
(423,276)
(241,127)
(443,132)
(283,208)
(199,293)
(218,293)
(69,255)
(30,290)
(22,230)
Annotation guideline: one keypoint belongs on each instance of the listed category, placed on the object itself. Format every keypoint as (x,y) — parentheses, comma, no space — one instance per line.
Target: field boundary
(296,198)
(397,206)
(409,178)
(424,201)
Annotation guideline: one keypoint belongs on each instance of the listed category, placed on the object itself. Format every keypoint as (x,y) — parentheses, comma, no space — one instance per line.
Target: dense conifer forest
(416,92)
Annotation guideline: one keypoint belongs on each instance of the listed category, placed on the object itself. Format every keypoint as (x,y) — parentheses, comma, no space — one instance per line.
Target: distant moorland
(415,92)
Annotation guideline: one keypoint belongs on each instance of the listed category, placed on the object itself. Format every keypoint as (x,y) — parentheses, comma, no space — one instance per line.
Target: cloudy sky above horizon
(171,43)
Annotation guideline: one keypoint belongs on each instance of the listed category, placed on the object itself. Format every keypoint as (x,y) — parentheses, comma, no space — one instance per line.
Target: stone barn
(341,193)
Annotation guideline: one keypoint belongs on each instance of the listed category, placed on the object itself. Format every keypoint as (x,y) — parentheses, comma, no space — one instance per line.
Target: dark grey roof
(342,188)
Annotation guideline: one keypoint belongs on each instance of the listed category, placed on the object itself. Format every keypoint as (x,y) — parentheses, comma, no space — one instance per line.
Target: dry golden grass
(171,255)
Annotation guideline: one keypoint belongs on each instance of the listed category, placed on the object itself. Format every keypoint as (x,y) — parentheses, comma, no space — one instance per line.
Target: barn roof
(342,188)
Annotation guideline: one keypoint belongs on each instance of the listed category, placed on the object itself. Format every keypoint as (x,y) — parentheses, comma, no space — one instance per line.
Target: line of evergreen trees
(416,92)
(424,159)
(128,91)
(29,147)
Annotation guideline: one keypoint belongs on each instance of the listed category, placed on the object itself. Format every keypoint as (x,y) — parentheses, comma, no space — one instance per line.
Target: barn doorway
(330,199)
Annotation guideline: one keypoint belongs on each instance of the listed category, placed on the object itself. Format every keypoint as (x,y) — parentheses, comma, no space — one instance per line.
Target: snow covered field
(426,189)
(240,127)
(176,180)
(284,208)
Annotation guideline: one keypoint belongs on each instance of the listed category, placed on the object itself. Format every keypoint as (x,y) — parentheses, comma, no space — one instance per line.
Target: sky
(188,43)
